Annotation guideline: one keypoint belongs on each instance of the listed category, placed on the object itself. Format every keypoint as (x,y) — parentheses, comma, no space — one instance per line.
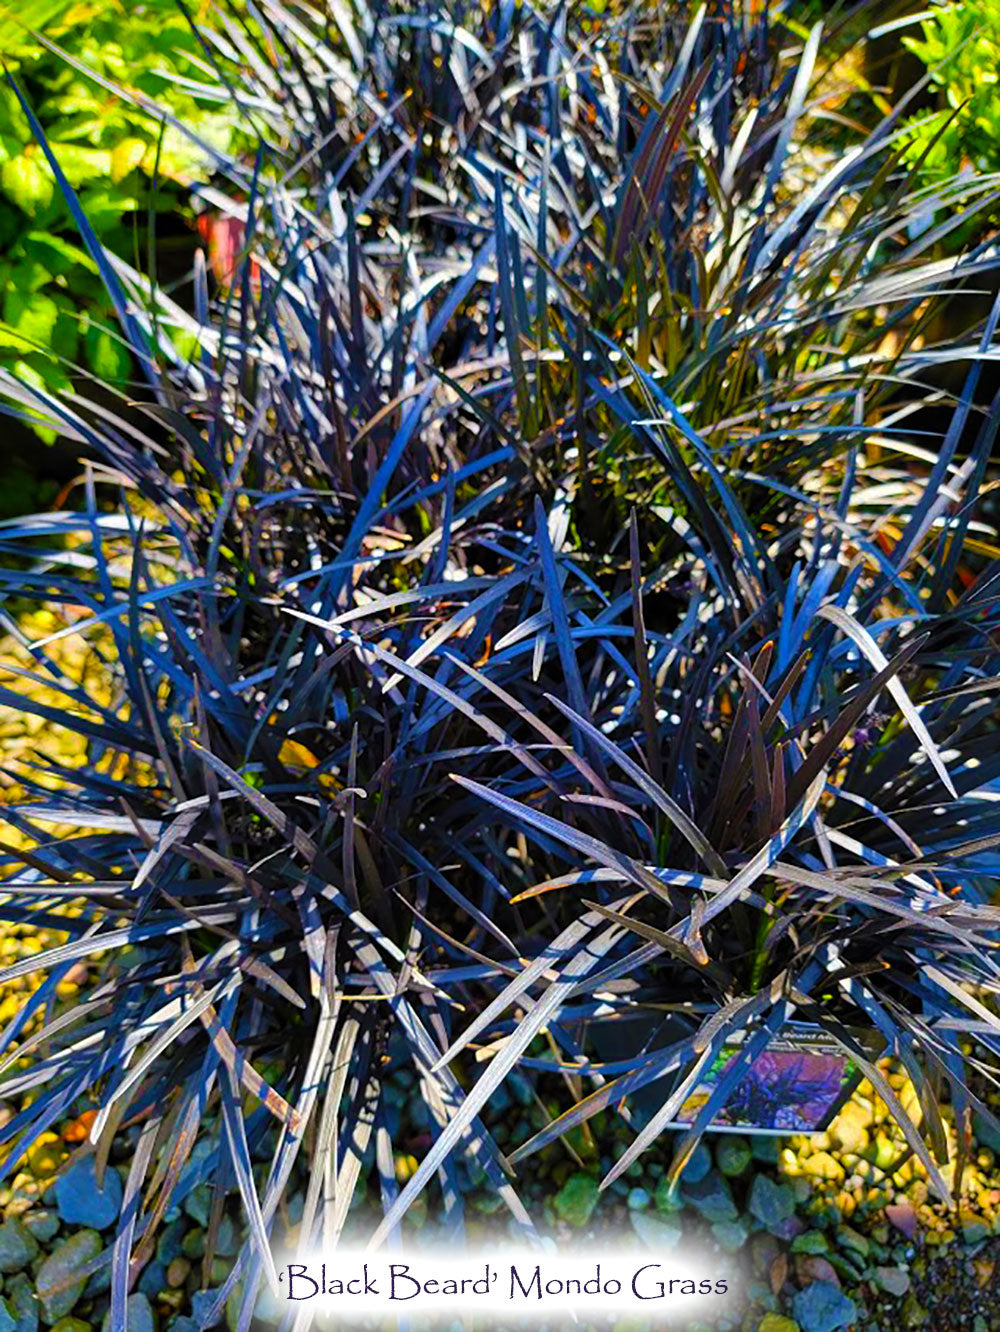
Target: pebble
(665,1198)
(658,1232)
(576,1200)
(20,1296)
(733,1156)
(731,1235)
(82,1203)
(46,1155)
(903,1216)
(771,1203)
(821,1307)
(178,1272)
(893,1280)
(139,1314)
(43,1225)
(699,1164)
(813,1241)
(712,1198)
(56,1297)
(850,1128)
(821,1165)
(773,1322)
(814,1267)
(18,1246)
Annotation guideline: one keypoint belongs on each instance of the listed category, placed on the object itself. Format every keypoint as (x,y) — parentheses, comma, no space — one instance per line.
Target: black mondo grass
(534,605)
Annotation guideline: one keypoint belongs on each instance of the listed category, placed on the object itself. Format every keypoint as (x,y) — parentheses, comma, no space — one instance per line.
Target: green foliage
(122,160)
(960,45)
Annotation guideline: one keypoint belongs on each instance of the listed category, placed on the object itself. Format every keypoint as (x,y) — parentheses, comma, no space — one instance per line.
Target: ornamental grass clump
(545,630)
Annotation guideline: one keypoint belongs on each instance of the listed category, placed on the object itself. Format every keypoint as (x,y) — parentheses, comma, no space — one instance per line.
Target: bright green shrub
(121,160)
(960,44)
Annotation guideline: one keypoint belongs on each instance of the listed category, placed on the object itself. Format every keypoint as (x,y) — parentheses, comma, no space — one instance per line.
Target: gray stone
(698,1166)
(733,1156)
(772,1204)
(57,1289)
(657,1232)
(576,1200)
(82,1203)
(18,1246)
(44,1225)
(712,1198)
(893,1280)
(198,1204)
(731,1235)
(139,1313)
(19,1295)
(821,1307)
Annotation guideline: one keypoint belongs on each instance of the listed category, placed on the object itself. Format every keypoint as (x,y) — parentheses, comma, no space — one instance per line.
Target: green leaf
(26,182)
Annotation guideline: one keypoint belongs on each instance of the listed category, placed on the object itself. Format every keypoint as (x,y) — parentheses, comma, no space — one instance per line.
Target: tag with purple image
(797,1085)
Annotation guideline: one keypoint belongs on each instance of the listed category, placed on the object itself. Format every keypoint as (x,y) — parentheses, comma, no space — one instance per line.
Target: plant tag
(798,1084)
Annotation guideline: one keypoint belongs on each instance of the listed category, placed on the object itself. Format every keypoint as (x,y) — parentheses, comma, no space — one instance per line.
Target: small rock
(71,1325)
(198,1204)
(984,1269)
(893,1280)
(853,1239)
(639,1199)
(665,1198)
(731,1235)
(46,1155)
(193,1244)
(169,1245)
(913,1314)
(771,1203)
(698,1166)
(82,1203)
(42,1225)
(821,1165)
(153,1279)
(576,1200)
(812,1241)
(974,1228)
(813,1267)
(778,1273)
(658,1232)
(202,1302)
(18,1246)
(712,1198)
(821,1307)
(178,1272)
(903,1216)
(764,1148)
(139,1314)
(985,1133)
(228,1241)
(773,1322)
(20,1296)
(733,1156)
(57,1290)
(850,1128)
(8,1322)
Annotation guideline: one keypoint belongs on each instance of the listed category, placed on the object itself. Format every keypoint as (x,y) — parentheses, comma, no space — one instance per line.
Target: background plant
(960,45)
(91,72)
